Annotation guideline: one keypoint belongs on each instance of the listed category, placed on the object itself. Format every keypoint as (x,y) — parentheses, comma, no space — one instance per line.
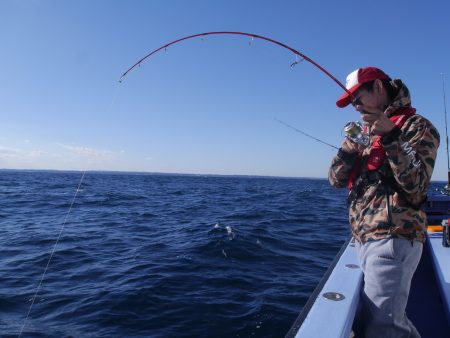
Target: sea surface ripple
(149,255)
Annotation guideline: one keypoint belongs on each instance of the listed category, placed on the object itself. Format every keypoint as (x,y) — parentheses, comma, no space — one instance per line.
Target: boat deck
(331,309)
(426,306)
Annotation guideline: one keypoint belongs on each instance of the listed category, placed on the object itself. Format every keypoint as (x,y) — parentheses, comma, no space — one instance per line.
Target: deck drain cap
(336,296)
(352,266)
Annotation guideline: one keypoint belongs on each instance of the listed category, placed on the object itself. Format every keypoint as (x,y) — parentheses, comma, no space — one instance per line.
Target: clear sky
(205,105)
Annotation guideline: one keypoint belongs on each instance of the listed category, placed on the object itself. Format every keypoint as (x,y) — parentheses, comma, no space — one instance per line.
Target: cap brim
(347,97)
(344,100)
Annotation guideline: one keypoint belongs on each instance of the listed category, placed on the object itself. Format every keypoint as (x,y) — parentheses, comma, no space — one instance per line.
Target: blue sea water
(145,255)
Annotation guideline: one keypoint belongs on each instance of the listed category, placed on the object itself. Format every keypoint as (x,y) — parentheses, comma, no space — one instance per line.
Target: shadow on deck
(425,308)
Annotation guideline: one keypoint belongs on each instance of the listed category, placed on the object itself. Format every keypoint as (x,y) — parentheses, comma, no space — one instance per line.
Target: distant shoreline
(114,172)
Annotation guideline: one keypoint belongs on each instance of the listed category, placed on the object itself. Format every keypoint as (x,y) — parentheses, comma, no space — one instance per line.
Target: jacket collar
(401,100)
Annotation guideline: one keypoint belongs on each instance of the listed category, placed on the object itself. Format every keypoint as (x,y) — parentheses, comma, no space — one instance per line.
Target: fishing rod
(306,134)
(447,187)
(253,36)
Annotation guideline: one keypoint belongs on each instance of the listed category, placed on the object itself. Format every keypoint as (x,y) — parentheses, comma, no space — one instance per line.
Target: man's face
(367,101)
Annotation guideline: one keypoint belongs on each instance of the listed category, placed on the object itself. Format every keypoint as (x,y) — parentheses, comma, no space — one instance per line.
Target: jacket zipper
(389,211)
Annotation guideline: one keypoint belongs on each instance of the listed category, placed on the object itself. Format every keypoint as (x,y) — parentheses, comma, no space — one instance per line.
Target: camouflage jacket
(384,203)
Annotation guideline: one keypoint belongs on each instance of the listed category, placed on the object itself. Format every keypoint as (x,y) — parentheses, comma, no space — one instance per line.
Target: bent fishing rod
(251,35)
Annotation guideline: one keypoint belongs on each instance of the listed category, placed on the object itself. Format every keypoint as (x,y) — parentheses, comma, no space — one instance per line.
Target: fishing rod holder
(445,233)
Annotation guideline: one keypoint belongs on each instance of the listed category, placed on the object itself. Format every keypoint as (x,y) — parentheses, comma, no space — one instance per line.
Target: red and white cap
(355,79)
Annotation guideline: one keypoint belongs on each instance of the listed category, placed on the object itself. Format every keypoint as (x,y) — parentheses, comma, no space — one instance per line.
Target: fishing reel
(354,131)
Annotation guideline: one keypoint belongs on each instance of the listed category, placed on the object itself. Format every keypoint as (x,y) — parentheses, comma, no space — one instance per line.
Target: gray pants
(388,267)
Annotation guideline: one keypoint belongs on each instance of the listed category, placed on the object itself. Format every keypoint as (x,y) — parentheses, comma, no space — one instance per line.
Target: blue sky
(205,105)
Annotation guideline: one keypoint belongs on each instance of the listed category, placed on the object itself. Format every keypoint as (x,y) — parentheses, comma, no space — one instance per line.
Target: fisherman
(388,182)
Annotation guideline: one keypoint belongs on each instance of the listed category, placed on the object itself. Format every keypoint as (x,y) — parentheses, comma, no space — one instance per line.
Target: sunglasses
(357,102)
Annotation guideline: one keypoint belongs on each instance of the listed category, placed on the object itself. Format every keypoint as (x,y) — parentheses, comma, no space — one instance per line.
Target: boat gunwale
(313,297)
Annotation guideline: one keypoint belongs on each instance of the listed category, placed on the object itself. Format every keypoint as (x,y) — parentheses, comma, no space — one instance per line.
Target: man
(388,182)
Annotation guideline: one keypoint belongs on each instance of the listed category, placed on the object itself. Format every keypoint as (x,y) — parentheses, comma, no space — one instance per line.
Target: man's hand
(379,123)
(350,146)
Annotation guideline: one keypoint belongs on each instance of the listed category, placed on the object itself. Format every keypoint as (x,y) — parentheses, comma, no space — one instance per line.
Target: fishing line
(62,229)
(53,252)
(113,100)
(306,134)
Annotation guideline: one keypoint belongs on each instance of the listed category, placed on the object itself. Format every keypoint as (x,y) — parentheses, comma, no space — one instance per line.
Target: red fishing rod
(296,52)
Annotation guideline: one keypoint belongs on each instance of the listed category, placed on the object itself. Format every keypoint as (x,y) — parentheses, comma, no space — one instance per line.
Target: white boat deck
(330,311)
(333,318)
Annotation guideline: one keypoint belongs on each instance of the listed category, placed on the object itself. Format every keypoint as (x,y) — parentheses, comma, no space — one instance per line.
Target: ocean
(155,255)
